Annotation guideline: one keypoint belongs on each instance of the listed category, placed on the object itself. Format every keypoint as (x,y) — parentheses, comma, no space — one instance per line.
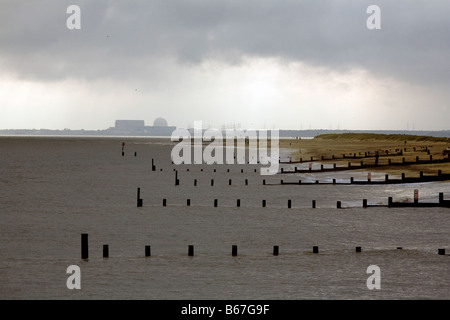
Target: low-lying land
(342,147)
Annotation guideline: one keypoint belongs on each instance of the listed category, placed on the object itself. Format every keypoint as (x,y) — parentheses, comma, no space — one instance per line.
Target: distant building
(129,126)
(159,128)
(138,127)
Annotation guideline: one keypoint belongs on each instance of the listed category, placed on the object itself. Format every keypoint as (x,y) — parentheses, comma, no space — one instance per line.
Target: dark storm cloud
(123,39)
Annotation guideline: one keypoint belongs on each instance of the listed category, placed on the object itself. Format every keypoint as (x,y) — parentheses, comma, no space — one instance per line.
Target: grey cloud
(117,38)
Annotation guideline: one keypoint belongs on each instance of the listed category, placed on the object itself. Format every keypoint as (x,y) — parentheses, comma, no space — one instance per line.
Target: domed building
(159,128)
(160,122)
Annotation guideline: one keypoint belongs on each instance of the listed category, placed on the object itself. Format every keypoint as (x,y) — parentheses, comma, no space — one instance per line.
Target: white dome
(160,122)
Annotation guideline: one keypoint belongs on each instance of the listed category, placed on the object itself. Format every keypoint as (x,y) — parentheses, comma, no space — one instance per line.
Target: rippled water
(54,189)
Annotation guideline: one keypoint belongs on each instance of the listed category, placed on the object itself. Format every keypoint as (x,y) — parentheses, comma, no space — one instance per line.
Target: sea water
(53,189)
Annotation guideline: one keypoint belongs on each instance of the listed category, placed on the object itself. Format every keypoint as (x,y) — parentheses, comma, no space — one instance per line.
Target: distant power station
(138,127)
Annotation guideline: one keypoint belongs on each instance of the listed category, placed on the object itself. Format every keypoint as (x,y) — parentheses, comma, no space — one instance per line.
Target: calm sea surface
(56,188)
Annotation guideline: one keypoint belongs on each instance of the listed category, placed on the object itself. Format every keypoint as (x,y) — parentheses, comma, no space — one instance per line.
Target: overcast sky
(286,64)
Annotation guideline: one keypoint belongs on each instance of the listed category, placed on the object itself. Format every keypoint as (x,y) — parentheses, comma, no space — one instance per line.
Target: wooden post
(275,250)
(105,251)
(84,246)
(139,200)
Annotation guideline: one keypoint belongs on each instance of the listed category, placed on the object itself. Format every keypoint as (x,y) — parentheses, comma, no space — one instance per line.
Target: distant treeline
(384,137)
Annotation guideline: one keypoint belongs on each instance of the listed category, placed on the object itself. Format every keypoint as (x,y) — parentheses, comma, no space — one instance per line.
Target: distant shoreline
(283,133)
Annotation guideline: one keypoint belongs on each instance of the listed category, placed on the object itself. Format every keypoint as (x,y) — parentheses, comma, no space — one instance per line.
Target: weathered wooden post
(105,251)
(275,250)
(139,200)
(84,246)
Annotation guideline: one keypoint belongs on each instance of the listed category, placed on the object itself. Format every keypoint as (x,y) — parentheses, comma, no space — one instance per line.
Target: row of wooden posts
(364,165)
(422,178)
(391,203)
(234,249)
(349,166)
(386,153)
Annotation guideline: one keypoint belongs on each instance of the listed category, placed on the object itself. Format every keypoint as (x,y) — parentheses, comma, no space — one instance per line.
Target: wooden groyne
(404,179)
(234,250)
(365,165)
(360,155)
